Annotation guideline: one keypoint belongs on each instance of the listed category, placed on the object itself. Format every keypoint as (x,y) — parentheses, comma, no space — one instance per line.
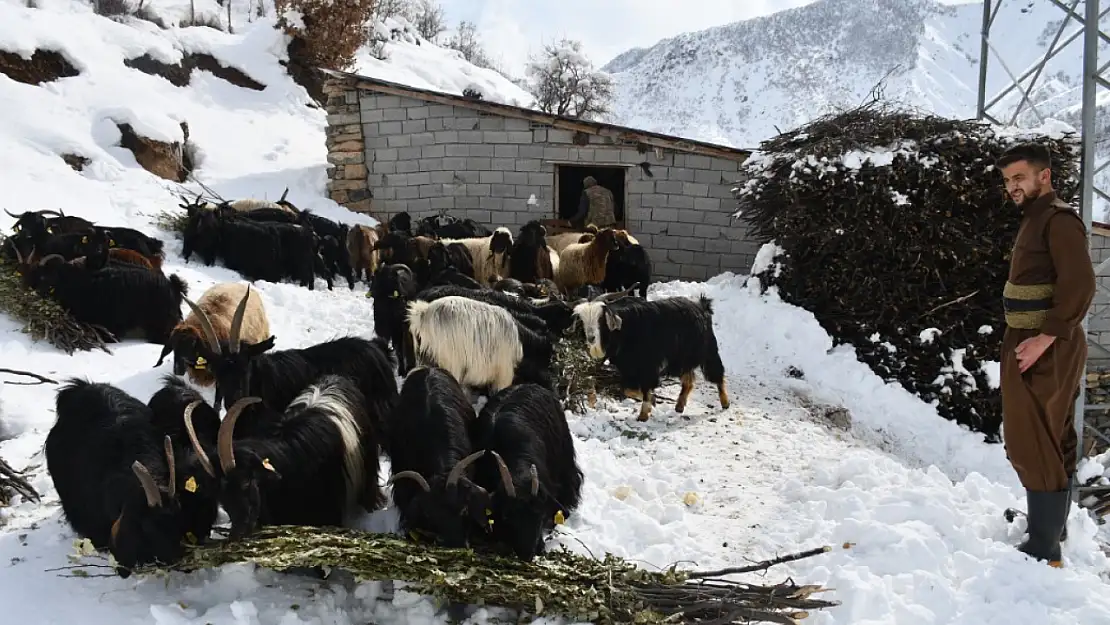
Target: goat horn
(535,480)
(201,455)
(609,297)
(456,473)
(153,495)
(506,477)
(284,193)
(49,212)
(49,256)
(412,475)
(205,324)
(237,323)
(18,256)
(168,444)
(223,439)
(12,214)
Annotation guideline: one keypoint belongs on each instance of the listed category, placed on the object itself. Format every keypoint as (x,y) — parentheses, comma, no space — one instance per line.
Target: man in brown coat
(1044,348)
(596,207)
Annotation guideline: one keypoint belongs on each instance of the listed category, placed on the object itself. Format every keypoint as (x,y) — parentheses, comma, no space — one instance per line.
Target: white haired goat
(477,343)
(490,254)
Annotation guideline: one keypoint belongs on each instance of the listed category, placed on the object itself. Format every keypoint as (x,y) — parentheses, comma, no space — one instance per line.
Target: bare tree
(430,20)
(564,82)
(465,40)
(395,8)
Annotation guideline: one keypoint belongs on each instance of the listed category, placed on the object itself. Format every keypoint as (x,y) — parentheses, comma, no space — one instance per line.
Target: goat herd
(457,309)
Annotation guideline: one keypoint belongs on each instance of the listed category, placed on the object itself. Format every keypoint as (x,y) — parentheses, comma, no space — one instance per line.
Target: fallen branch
(952,303)
(41,379)
(560,583)
(761,566)
(10,479)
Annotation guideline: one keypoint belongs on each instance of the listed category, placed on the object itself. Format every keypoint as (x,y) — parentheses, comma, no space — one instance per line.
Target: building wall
(424,158)
(1098,326)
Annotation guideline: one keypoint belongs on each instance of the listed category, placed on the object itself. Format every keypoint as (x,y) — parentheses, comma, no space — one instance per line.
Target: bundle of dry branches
(890,225)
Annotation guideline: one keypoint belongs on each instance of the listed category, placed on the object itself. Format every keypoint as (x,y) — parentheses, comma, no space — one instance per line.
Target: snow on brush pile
(894,231)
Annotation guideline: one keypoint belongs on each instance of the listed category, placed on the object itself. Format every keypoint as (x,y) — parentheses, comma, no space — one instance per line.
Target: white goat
(476,342)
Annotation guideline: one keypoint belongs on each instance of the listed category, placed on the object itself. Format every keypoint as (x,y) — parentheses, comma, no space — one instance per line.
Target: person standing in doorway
(1044,348)
(596,206)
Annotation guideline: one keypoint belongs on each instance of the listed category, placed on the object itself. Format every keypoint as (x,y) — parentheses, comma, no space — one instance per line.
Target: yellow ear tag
(51,290)
(559,518)
(111,243)
(191,537)
(266,465)
(396,294)
(191,484)
(489,512)
(84,239)
(201,362)
(50,230)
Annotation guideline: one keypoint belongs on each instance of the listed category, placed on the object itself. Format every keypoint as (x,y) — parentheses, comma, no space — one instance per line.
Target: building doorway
(568,182)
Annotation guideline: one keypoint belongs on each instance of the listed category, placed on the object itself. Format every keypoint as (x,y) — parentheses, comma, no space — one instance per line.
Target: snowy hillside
(743,82)
(911,504)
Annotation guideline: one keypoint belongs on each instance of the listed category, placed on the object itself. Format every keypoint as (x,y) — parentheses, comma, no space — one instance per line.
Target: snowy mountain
(910,504)
(741,82)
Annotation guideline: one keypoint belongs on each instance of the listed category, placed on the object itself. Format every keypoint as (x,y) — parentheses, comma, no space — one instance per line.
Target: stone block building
(397,148)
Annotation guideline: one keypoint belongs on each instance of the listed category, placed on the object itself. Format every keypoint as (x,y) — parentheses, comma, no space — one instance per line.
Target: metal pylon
(1080,20)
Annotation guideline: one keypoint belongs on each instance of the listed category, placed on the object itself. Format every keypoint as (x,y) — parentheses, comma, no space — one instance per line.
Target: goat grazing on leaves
(107,459)
(630,333)
(480,344)
(218,310)
(531,471)
(179,411)
(121,299)
(311,464)
(393,288)
(430,451)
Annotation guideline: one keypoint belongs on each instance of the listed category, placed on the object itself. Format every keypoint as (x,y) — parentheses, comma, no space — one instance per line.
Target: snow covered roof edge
(621,134)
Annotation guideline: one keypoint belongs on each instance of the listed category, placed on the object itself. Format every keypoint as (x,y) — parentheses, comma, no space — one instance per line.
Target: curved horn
(412,475)
(201,455)
(18,257)
(506,477)
(11,214)
(535,480)
(283,194)
(49,256)
(609,297)
(223,439)
(205,325)
(237,323)
(168,445)
(51,212)
(456,473)
(153,496)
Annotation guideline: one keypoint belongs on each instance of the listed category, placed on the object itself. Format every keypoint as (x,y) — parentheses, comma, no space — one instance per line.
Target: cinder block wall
(1098,328)
(424,158)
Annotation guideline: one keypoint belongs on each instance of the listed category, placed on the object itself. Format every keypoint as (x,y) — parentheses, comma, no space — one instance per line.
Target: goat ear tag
(396,294)
(559,518)
(266,465)
(191,484)
(84,239)
(191,537)
(111,243)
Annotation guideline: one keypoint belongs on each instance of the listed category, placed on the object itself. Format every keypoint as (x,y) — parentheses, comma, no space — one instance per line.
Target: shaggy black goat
(120,298)
(36,223)
(106,458)
(332,247)
(530,259)
(646,340)
(392,289)
(308,465)
(430,451)
(531,470)
(180,412)
(277,377)
(401,222)
(627,265)
(447,227)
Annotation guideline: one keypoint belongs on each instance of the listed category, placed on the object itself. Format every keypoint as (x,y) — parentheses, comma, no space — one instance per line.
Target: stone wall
(424,157)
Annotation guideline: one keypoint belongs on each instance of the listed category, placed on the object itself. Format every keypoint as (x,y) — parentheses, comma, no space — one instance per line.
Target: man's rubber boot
(1046,521)
(1067,508)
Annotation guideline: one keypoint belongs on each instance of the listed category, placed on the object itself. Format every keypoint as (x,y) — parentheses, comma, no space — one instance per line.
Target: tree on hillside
(465,40)
(564,82)
(430,20)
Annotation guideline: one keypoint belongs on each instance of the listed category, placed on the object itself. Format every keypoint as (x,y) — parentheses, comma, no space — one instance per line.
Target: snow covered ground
(911,503)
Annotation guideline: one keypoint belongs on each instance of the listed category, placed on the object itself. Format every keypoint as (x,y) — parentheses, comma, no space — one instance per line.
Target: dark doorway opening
(569,180)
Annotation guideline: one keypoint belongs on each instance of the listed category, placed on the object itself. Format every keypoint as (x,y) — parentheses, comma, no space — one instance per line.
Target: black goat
(36,223)
(106,458)
(277,377)
(447,227)
(430,451)
(180,412)
(308,465)
(120,298)
(258,214)
(401,222)
(627,265)
(332,247)
(530,259)
(531,470)
(451,255)
(392,289)
(645,340)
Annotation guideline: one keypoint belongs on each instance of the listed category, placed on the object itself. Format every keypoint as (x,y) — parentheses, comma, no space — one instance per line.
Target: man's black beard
(1029,199)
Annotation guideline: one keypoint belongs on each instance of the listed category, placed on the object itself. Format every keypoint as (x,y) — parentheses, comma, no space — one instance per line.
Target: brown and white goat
(584,263)
(361,242)
(490,254)
(227,312)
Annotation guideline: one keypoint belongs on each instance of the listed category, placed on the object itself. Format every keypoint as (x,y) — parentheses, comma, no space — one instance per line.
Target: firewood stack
(894,230)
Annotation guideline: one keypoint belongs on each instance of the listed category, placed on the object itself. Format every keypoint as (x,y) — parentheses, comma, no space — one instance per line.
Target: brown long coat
(1049,290)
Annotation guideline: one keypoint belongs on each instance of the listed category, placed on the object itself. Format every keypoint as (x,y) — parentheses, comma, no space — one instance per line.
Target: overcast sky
(512,29)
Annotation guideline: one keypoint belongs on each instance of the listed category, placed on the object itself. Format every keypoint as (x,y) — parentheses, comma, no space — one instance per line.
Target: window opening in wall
(568,182)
